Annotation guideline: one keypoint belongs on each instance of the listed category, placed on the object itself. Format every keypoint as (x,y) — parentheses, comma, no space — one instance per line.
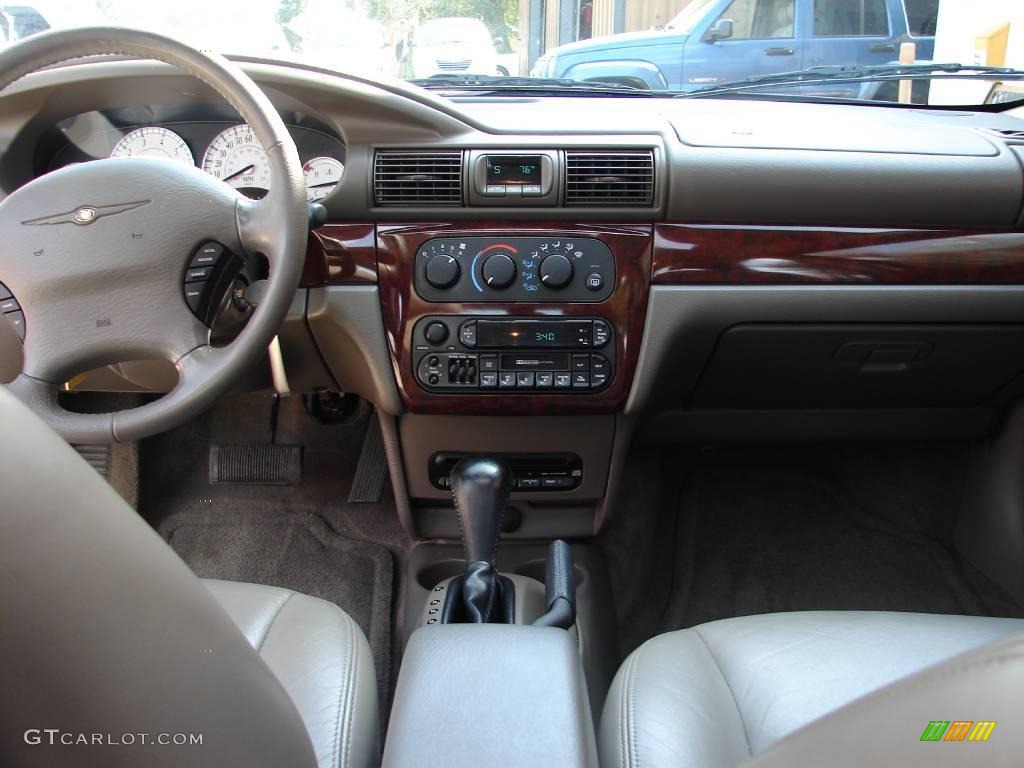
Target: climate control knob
(556,271)
(443,271)
(498,271)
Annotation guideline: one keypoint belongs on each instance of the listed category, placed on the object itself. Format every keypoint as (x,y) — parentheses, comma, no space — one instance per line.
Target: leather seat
(716,694)
(321,657)
(107,633)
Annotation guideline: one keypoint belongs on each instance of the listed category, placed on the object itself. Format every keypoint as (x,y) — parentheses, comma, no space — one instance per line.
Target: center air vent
(609,178)
(418,178)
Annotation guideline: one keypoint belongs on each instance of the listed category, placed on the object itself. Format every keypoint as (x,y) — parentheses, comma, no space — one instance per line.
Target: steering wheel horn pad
(95,252)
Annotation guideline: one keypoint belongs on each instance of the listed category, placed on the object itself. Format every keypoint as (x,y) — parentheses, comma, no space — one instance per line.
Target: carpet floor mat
(749,530)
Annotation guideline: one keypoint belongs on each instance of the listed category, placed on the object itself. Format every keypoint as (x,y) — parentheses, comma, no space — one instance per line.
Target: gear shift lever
(480,487)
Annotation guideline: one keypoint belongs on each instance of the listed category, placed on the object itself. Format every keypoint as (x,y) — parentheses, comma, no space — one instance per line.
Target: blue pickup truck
(716,41)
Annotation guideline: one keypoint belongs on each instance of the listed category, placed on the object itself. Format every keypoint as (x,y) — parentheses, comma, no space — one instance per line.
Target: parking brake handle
(559,588)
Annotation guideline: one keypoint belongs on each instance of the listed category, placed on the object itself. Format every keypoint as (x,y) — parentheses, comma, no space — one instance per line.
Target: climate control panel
(473,269)
(510,355)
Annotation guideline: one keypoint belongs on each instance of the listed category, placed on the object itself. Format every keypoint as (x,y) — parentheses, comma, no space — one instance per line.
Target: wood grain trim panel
(341,254)
(765,255)
(625,309)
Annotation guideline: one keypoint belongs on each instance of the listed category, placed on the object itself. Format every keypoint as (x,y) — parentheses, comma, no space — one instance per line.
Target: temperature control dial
(498,271)
(556,271)
(443,271)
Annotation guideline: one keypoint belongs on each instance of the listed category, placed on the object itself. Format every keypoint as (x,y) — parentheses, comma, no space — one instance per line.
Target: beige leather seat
(720,693)
(104,631)
(321,657)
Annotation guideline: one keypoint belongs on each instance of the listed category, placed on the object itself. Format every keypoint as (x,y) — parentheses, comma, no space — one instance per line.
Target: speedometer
(153,141)
(235,156)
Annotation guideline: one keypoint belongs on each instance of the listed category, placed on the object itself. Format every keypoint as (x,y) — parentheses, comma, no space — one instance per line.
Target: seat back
(110,645)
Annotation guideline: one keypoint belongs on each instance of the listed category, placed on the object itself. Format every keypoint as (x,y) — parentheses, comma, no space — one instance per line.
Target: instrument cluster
(227,150)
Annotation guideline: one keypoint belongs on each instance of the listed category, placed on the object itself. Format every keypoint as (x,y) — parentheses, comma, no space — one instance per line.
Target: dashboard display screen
(513,169)
(534,333)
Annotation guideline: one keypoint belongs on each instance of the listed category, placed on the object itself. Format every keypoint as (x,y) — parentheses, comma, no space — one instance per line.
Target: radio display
(513,169)
(534,333)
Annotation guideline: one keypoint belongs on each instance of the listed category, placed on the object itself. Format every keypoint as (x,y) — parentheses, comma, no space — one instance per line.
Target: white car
(452,46)
(334,37)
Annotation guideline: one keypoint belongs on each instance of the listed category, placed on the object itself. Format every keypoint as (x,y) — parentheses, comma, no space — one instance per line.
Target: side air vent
(609,178)
(418,178)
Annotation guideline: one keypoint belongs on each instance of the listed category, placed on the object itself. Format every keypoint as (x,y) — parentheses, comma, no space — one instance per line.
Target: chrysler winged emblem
(86,214)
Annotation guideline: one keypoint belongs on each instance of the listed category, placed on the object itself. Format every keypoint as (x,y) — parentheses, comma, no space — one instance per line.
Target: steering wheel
(96,253)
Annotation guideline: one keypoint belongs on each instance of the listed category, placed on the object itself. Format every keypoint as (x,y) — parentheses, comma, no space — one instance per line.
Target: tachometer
(153,141)
(322,176)
(235,156)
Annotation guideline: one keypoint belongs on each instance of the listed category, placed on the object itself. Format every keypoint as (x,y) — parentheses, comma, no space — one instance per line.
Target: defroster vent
(418,178)
(609,178)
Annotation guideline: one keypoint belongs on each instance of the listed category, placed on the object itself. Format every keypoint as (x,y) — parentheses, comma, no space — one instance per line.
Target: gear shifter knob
(480,488)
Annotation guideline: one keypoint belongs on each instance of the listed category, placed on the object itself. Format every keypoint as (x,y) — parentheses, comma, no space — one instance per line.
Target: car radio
(511,355)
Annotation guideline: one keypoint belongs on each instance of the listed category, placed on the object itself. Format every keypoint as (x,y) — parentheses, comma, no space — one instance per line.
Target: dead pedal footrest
(256,464)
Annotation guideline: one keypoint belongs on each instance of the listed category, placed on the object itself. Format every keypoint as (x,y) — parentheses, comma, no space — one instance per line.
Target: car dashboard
(653,269)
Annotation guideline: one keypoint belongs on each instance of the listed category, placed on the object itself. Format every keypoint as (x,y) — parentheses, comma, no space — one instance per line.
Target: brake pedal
(256,464)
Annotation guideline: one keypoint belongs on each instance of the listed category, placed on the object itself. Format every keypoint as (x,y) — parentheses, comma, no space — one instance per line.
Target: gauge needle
(324,184)
(242,172)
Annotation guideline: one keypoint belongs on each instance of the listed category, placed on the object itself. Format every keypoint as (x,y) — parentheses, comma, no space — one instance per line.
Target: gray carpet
(742,531)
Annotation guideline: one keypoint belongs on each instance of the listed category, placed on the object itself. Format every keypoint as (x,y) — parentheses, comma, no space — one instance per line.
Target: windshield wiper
(859,74)
(494,84)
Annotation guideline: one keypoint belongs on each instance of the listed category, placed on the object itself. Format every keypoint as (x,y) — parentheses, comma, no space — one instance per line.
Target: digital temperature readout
(513,169)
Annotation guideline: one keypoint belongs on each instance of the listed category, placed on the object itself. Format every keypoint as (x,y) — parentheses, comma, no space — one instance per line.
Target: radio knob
(436,333)
(499,271)
(443,271)
(556,271)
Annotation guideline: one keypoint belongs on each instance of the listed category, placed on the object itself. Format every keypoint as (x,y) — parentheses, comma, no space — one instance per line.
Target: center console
(493,319)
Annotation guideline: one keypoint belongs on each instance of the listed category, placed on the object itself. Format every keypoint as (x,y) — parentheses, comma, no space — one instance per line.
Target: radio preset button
(545,379)
(525,379)
(563,380)
(506,379)
(488,380)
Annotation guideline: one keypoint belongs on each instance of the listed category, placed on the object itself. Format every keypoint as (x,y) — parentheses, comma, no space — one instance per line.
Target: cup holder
(535,570)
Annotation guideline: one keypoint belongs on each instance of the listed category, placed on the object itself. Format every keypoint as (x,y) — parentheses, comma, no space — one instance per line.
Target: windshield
(690,16)
(666,48)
